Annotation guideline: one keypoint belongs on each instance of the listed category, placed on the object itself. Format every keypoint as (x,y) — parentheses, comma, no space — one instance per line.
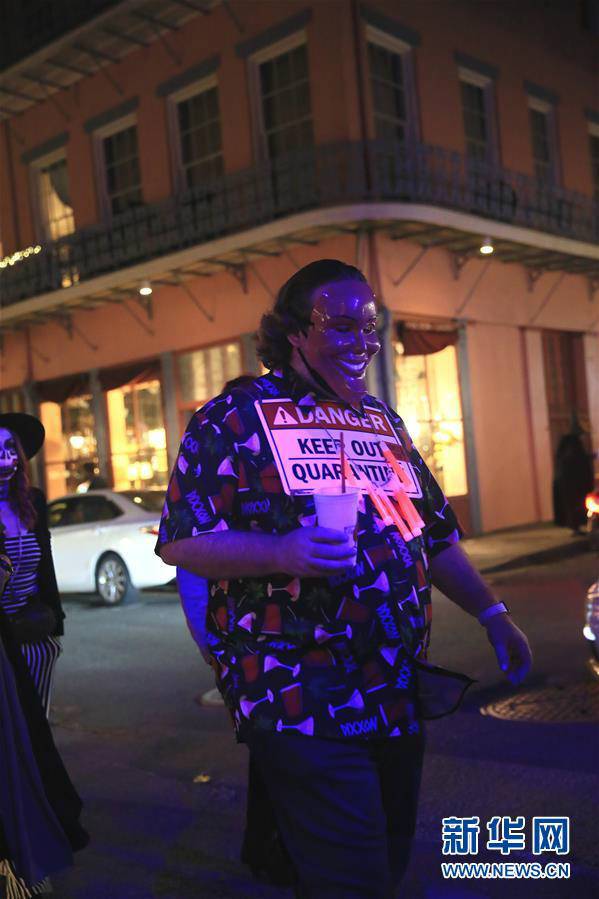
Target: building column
(100,425)
(31,406)
(249,357)
(169,404)
(469,441)
(591,357)
(380,375)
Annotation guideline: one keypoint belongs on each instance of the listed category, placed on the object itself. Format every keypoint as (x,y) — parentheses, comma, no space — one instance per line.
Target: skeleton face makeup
(342,337)
(9,458)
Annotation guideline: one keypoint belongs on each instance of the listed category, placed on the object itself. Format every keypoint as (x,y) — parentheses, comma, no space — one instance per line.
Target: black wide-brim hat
(27,428)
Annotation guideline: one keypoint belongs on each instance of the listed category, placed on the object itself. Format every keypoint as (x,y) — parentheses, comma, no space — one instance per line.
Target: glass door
(137,436)
(70,443)
(428,400)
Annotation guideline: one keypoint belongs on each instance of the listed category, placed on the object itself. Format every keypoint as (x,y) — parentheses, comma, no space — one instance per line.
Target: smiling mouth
(355,366)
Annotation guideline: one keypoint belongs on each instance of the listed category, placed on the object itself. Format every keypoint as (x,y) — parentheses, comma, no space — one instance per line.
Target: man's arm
(454,575)
(304,552)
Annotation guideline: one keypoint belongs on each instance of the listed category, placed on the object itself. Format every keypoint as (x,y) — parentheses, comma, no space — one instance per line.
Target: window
(53,211)
(137,436)
(476,119)
(120,160)
(286,114)
(542,131)
(65,512)
(199,133)
(70,443)
(81,510)
(391,81)
(148,500)
(393,107)
(99,508)
(594,153)
(540,144)
(55,214)
(428,400)
(58,513)
(202,374)
(565,384)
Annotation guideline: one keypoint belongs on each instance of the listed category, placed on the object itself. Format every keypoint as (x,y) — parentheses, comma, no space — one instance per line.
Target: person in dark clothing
(32,592)
(92,479)
(319,641)
(39,807)
(573,479)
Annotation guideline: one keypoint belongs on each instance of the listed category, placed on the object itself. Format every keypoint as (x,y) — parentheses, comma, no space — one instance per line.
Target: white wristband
(490,611)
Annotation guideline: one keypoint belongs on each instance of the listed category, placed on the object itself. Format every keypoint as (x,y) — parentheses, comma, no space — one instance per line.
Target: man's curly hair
(293,307)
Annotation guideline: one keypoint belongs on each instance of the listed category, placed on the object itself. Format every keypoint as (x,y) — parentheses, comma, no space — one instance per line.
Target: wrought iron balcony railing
(327,175)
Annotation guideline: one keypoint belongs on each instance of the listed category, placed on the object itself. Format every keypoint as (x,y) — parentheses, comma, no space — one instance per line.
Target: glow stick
(358,481)
(406,507)
(404,479)
(408,510)
(387,512)
(349,475)
(396,518)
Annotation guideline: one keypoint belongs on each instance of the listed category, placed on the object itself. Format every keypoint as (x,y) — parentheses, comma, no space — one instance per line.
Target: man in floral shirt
(318,653)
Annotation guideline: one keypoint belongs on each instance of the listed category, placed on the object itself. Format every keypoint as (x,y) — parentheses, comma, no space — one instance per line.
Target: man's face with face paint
(9,458)
(341,339)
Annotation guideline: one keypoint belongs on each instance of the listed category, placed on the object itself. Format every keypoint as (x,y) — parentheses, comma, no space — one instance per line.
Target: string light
(19,256)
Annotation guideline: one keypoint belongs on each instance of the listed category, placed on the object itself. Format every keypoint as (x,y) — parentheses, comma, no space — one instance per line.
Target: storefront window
(137,436)
(70,443)
(428,400)
(203,374)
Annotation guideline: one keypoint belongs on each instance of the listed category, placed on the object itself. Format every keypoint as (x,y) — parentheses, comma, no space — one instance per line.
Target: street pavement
(524,546)
(164,782)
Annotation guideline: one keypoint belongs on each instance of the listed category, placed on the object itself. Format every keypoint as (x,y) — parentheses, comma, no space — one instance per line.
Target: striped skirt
(41,658)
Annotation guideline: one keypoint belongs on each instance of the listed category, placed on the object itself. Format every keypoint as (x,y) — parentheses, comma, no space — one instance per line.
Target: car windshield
(148,500)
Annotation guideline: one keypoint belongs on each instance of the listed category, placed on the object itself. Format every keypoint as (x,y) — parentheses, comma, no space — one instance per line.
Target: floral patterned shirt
(327,656)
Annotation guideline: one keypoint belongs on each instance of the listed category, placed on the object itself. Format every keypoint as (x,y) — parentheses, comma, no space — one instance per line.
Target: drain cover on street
(568,703)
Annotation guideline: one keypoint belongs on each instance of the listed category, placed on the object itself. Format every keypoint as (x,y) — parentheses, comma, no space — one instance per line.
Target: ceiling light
(486,248)
(145,289)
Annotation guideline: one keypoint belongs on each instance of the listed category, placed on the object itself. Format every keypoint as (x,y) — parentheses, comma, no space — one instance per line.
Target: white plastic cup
(338,510)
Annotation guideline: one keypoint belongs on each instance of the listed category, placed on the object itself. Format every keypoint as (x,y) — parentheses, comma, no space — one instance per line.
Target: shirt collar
(305,393)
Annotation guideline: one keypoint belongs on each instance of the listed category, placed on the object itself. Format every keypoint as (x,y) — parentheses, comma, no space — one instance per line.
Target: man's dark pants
(346,809)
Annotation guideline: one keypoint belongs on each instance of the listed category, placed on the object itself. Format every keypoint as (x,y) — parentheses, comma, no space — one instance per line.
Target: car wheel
(113,583)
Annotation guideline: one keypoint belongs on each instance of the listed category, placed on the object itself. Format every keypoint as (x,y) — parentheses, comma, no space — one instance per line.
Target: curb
(541,557)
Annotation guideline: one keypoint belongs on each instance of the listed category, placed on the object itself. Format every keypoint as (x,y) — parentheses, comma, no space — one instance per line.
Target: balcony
(30,26)
(320,177)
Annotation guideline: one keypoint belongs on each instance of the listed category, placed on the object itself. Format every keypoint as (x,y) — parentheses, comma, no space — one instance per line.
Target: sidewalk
(519,547)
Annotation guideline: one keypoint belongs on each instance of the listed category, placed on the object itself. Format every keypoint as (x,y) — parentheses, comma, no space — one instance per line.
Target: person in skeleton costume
(319,653)
(39,806)
(30,600)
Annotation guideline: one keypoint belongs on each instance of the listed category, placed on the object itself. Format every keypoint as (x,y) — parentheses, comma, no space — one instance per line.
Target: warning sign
(305,444)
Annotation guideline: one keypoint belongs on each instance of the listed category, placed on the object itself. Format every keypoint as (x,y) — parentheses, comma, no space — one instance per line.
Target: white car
(591,623)
(103,541)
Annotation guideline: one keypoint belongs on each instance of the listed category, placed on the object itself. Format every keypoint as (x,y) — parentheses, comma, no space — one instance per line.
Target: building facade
(165,167)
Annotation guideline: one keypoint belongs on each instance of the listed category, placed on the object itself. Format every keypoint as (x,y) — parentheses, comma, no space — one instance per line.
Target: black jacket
(57,787)
(46,576)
